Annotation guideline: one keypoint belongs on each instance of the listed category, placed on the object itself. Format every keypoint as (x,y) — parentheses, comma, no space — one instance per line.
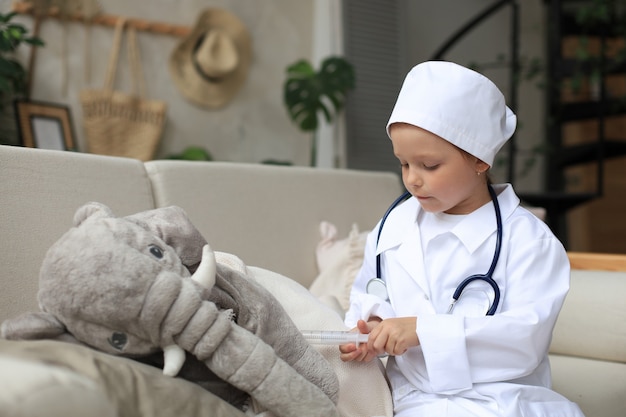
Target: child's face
(441,176)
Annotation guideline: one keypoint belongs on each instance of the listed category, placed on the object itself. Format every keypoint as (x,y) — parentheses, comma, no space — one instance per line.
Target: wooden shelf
(106,20)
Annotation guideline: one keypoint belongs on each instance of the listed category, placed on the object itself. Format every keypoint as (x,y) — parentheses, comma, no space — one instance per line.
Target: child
(446,128)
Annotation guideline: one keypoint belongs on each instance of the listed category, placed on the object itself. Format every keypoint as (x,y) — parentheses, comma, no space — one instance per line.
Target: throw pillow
(338,262)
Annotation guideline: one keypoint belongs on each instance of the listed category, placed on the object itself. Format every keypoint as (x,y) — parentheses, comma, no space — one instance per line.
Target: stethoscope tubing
(405,196)
(488,277)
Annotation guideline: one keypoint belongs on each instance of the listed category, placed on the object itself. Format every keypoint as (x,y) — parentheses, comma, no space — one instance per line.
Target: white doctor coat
(470,364)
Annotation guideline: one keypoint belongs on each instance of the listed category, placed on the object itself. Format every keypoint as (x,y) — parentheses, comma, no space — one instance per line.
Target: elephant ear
(173,226)
(32,326)
(91,210)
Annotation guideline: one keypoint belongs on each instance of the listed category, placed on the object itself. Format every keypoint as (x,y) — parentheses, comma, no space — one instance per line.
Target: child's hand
(359,353)
(393,336)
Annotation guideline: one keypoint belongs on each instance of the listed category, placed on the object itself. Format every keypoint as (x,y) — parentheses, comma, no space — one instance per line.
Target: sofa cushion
(268,215)
(43,190)
(597,386)
(119,386)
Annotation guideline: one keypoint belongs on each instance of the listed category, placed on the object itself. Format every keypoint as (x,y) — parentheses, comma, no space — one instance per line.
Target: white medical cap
(458,104)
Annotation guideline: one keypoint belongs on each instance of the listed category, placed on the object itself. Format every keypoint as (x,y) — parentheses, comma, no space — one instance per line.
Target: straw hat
(210,64)
(457,104)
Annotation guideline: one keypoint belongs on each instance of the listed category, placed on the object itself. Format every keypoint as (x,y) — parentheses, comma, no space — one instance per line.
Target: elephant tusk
(173,359)
(205,274)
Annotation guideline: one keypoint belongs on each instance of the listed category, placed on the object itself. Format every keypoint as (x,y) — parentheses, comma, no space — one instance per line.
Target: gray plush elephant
(148,283)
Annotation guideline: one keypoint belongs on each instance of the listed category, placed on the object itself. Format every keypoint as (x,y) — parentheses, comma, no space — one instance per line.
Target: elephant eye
(118,340)
(156,251)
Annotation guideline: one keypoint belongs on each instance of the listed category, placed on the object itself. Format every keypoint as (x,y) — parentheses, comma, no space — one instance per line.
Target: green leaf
(193,153)
(5,44)
(4,18)
(10,68)
(301,69)
(15,35)
(5,85)
(34,41)
(308,93)
(17,29)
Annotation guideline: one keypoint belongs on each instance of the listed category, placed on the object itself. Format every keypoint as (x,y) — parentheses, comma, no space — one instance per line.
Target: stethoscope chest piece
(377,287)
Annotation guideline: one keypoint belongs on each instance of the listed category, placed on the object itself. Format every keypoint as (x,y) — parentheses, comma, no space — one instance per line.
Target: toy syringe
(327,337)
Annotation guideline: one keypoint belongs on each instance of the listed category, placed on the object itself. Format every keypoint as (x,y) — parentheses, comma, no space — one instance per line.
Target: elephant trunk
(245,361)
(199,334)
(251,365)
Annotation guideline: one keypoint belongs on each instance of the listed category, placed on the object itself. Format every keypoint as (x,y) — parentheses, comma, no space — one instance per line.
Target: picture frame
(44,125)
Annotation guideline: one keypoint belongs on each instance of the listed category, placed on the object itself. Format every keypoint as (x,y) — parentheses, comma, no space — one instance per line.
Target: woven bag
(117,123)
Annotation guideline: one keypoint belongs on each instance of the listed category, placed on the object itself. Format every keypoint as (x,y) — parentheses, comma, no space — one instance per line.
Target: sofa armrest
(30,388)
(588,350)
(592,322)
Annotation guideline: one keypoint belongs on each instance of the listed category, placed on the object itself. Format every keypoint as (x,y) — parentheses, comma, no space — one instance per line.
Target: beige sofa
(294,222)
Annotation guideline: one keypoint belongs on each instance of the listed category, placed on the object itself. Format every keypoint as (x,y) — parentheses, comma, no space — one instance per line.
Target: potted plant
(13,75)
(193,153)
(308,93)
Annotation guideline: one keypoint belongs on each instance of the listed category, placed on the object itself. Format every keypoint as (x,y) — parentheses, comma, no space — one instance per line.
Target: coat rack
(102,19)
(105,20)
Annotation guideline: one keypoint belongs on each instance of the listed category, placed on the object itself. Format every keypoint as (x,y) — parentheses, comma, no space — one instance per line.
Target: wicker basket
(118,123)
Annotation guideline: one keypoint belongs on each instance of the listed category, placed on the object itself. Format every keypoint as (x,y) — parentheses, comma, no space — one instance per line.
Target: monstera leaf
(307,92)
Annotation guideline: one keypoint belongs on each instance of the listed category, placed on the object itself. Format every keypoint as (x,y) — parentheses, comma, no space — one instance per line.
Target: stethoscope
(377,286)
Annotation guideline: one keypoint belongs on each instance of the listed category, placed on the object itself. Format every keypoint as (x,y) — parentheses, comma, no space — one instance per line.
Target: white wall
(253,127)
